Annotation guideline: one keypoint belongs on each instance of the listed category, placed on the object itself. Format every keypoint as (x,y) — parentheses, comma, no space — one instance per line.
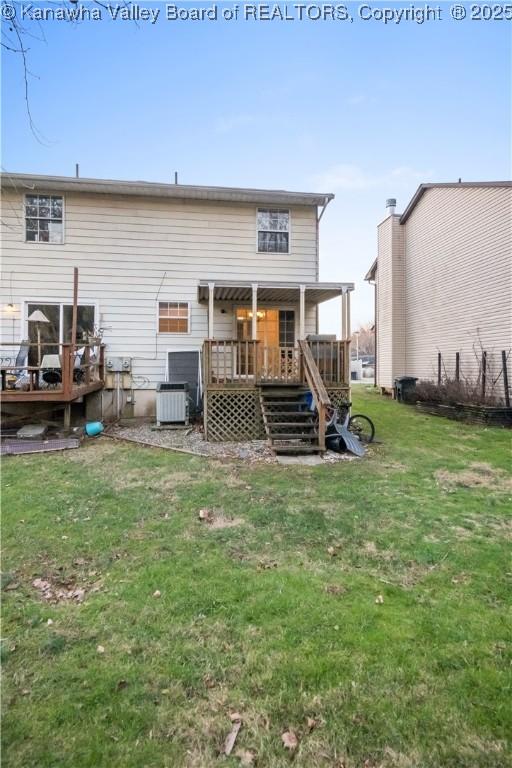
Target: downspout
(375,333)
(374,283)
(327,200)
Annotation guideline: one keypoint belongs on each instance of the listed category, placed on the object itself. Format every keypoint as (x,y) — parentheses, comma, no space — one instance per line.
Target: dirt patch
(477,475)
(216,519)
(371,550)
(221,521)
(335,589)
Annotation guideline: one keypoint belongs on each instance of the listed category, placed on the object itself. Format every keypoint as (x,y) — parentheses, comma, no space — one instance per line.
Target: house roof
(450,185)
(281,293)
(36,183)
(370,275)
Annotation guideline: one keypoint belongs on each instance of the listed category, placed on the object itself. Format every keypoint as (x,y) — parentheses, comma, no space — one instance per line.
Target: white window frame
(25,217)
(174,333)
(281,210)
(61,305)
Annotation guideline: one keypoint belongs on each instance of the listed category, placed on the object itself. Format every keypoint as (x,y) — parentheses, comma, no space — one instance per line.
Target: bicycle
(360,425)
(348,433)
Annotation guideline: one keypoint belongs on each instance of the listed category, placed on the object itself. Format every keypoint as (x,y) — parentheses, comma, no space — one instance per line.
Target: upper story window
(43,219)
(273,230)
(173,316)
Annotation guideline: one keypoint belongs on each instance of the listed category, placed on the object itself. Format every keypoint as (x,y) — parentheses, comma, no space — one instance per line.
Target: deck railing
(60,369)
(332,360)
(234,363)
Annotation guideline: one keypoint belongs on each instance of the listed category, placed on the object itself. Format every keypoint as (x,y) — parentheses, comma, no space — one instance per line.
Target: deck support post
(302,312)
(67,416)
(343,316)
(254,330)
(349,330)
(211,293)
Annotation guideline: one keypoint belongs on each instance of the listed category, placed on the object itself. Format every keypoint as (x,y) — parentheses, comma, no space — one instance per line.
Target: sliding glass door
(51,326)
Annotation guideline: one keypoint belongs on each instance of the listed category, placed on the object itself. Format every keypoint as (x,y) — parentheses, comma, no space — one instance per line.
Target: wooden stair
(289,423)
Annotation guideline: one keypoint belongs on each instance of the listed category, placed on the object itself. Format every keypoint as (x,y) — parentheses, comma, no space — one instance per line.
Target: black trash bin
(405,389)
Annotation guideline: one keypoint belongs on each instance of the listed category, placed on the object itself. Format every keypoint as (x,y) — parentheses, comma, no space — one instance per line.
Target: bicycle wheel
(362,427)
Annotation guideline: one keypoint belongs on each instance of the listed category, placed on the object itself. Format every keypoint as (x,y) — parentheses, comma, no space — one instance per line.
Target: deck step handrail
(318,390)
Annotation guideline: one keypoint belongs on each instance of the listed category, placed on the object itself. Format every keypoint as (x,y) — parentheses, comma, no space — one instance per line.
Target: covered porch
(273,343)
(268,320)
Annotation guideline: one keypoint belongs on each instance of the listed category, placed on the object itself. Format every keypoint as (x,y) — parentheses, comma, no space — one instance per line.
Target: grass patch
(369,597)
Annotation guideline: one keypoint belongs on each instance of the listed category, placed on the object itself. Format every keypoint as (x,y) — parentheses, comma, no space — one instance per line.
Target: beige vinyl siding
(133,252)
(384,304)
(390,302)
(458,277)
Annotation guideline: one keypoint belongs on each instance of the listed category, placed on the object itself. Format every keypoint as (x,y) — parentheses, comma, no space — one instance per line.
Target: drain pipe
(327,200)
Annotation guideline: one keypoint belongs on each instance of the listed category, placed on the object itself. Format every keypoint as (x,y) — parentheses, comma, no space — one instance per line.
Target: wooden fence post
(439,362)
(484,373)
(505,377)
(457,366)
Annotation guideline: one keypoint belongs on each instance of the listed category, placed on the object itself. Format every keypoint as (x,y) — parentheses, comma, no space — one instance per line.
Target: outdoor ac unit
(172,403)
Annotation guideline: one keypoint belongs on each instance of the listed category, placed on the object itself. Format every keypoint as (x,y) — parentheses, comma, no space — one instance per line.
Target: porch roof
(281,293)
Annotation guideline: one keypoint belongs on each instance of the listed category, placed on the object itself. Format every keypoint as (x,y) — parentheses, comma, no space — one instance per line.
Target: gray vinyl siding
(132,252)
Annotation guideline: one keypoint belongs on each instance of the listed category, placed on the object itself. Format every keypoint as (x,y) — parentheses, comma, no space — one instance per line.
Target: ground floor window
(173,317)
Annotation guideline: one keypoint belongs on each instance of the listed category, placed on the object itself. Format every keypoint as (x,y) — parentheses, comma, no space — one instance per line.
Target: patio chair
(18,378)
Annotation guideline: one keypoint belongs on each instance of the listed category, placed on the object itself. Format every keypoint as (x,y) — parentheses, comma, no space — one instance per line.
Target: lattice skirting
(233,415)
(338,397)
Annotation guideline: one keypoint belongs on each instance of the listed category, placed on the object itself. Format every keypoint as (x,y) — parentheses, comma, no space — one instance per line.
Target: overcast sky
(360,109)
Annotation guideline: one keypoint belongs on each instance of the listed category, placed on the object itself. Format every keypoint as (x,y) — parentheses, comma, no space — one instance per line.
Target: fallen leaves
(55,594)
(290,740)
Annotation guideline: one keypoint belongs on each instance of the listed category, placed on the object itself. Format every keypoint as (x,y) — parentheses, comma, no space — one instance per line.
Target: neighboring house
(162,269)
(443,282)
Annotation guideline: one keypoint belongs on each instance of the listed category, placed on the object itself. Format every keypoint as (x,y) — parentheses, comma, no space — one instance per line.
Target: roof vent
(391,205)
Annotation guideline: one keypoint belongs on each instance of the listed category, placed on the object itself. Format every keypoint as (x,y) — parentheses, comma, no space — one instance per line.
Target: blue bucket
(94,428)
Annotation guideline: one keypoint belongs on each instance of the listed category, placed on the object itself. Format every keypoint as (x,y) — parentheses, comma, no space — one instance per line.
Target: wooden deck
(79,370)
(235,373)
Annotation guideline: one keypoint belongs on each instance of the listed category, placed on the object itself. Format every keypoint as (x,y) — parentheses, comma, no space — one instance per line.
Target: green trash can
(405,389)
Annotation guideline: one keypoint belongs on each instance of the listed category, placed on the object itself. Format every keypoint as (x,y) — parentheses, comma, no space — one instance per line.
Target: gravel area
(192,440)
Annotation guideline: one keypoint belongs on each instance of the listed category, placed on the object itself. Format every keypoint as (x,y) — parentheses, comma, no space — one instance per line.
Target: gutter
(327,200)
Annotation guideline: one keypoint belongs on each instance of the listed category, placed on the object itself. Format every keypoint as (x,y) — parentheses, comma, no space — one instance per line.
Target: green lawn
(276,616)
